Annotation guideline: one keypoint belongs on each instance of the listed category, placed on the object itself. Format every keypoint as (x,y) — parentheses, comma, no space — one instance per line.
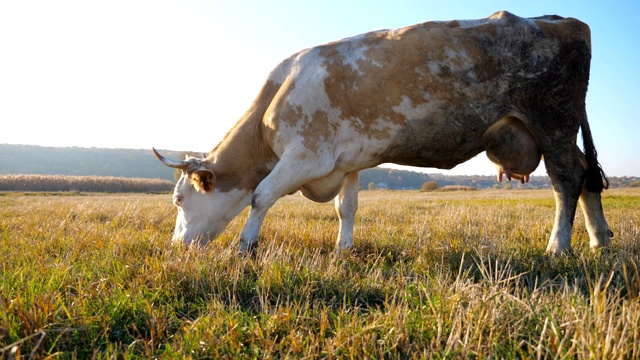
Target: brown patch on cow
(314,129)
(424,63)
(437,66)
(317,129)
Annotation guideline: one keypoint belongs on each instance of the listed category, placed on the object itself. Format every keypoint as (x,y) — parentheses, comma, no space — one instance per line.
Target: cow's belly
(324,189)
(437,147)
(439,160)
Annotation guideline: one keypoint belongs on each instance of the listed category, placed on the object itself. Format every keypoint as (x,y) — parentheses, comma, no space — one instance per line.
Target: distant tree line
(385,178)
(109,184)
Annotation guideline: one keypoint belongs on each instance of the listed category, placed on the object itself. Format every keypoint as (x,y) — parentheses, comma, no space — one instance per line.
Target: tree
(372,186)
(429,186)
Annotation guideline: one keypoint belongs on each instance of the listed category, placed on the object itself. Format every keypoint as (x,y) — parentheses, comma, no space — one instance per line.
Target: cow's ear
(203,180)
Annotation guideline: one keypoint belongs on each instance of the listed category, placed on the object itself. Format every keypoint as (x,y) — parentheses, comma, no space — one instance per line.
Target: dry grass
(432,275)
(56,183)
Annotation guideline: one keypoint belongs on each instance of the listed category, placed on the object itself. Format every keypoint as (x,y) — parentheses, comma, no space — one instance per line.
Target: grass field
(431,275)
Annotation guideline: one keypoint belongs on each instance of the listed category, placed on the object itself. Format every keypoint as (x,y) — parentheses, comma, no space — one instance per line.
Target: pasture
(431,275)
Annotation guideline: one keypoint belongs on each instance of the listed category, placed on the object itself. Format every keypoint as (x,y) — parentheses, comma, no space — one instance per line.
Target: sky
(178,74)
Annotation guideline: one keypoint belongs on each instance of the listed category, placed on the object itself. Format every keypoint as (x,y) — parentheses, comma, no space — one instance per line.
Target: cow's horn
(170,163)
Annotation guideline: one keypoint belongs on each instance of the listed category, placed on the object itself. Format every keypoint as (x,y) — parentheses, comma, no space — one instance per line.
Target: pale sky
(178,74)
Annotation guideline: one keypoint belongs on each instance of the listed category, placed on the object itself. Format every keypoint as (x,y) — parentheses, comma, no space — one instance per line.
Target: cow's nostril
(177,199)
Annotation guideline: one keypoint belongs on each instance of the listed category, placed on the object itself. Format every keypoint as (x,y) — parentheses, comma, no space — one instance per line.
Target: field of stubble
(431,275)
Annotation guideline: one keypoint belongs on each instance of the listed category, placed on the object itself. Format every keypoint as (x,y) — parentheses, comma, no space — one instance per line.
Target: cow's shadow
(256,287)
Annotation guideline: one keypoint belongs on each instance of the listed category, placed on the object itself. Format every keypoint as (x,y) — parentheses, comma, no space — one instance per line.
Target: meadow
(432,275)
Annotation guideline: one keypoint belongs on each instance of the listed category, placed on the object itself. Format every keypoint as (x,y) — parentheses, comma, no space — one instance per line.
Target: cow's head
(203,209)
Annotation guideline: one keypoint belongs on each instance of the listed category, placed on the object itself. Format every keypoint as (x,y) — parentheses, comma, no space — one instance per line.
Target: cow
(429,95)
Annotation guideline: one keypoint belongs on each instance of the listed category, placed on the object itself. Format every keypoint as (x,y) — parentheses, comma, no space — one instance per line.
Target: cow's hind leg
(591,204)
(590,199)
(599,232)
(567,175)
(346,206)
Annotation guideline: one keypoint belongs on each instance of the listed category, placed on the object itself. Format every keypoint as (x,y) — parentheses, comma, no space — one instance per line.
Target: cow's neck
(242,159)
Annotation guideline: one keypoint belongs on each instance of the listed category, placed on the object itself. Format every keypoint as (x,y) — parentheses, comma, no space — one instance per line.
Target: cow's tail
(596,180)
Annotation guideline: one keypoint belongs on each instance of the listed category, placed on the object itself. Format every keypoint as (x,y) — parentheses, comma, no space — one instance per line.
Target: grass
(431,275)
(58,183)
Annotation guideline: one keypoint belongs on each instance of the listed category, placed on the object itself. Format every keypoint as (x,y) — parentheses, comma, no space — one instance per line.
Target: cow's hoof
(248,248)
(568,251)
(342,251)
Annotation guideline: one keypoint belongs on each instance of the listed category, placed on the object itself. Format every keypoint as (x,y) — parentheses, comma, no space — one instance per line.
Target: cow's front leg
(291,172)
(251,231)
(346,204)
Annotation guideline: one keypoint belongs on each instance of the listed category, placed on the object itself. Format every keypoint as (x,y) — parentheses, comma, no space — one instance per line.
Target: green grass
(431,275)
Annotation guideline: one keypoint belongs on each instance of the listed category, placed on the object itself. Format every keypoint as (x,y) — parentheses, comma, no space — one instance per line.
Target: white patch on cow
(382,124)
(454,54)
(308,91)
(456,60)
(375,63)
(466,24)
(352,54)
(434,67)
(348,146)
(411,112)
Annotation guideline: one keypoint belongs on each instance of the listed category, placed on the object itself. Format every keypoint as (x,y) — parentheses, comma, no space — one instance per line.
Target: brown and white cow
(430,95)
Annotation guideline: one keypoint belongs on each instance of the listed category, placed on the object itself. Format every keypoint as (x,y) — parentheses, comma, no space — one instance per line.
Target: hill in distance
(131,163)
